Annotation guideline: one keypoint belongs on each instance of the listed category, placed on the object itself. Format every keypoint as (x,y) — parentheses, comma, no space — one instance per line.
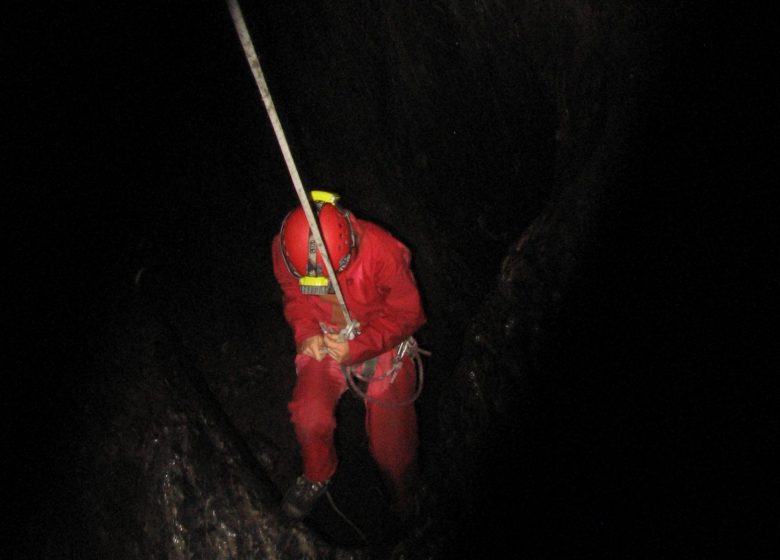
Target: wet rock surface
(565,176)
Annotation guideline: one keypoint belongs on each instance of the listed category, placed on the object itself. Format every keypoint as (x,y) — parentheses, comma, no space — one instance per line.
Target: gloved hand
(314,347)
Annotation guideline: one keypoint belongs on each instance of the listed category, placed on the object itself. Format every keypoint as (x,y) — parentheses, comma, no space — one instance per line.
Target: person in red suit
(380,292)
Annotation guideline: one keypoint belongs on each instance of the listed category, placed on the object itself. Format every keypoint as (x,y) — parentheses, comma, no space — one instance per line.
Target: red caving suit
(381,293)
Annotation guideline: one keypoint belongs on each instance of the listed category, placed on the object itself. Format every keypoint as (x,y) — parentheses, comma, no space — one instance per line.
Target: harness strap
(408,348)
(311,266)
(364,372)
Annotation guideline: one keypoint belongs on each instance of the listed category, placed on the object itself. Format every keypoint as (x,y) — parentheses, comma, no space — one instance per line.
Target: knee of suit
(312,420)
(395,458)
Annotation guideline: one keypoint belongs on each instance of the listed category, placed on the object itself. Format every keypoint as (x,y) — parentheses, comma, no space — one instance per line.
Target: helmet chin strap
(352,329)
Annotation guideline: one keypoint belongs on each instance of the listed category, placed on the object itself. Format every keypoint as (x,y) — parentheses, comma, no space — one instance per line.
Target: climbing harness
(366,372)
(408,347)
(352,328)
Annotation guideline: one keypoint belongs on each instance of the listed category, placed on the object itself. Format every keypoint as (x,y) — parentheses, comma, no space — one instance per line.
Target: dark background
(138,142)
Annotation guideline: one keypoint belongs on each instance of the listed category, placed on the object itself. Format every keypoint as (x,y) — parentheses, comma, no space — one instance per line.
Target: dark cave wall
(558,170)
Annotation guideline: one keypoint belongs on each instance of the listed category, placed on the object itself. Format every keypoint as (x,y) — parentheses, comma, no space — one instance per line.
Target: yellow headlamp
(314,285)
(324,196)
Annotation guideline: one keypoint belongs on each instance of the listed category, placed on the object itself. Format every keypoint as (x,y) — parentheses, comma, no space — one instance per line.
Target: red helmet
(299,249)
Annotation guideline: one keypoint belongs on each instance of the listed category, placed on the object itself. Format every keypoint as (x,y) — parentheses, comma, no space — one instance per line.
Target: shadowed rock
(171,471)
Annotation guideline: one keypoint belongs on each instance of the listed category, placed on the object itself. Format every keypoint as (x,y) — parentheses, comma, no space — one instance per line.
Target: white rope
(345,518)
(254,64)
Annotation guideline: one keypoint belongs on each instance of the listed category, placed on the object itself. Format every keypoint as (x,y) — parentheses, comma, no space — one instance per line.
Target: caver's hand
(314,347)
(337,348)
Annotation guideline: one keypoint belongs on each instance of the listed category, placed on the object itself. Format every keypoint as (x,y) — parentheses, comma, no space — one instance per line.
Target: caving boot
(302,496)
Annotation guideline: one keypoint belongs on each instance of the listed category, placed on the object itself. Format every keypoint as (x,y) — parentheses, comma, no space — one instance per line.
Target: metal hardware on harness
(366,373)
(349,332)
